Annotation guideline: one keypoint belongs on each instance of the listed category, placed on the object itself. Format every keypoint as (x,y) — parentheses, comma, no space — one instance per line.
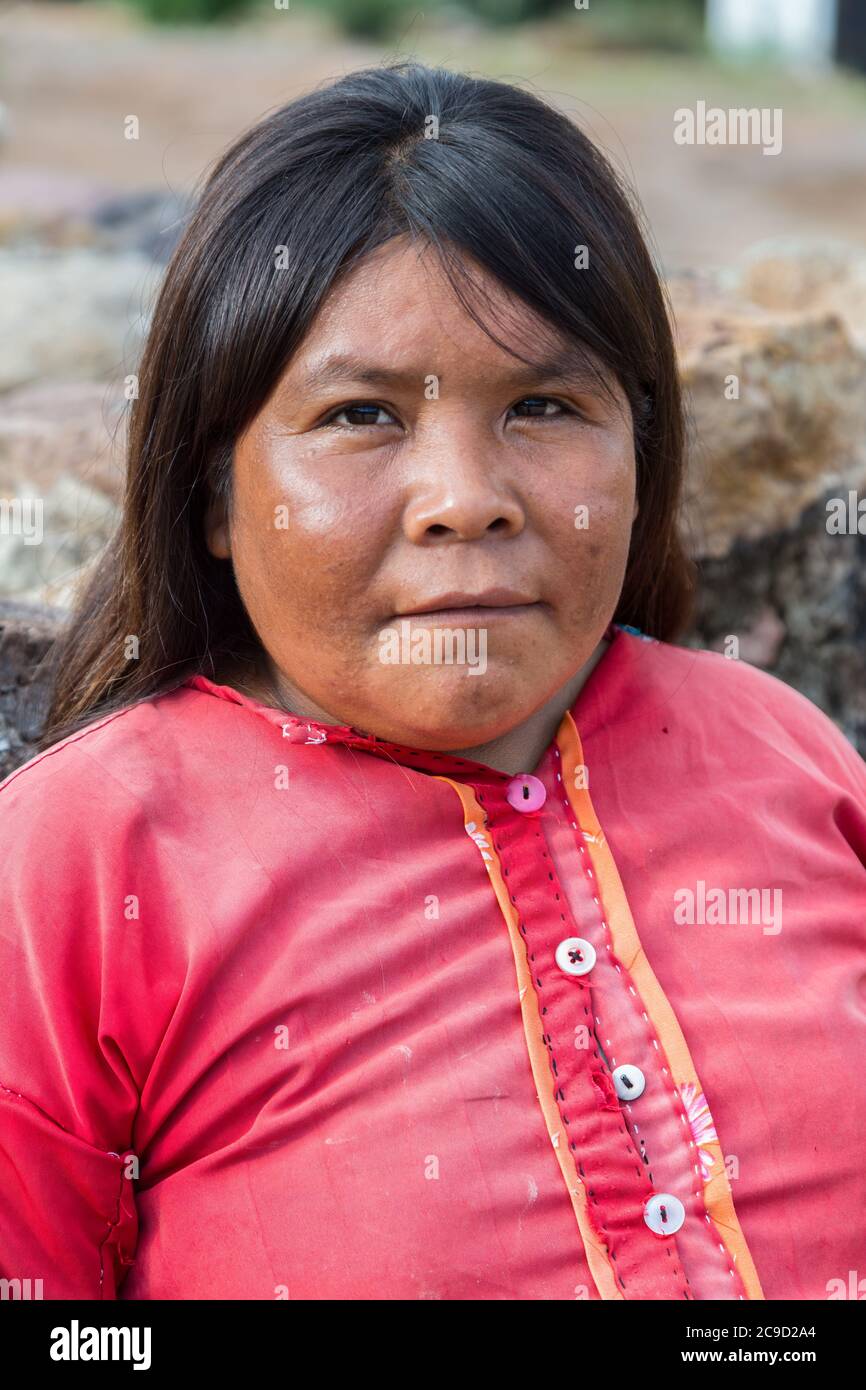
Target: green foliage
(515,11)
(672,25)
(373,19)
(615,23)
(663,24)
(638,23)
(191,11)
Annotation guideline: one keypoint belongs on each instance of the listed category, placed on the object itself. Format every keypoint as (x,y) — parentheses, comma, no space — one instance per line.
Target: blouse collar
(297,729)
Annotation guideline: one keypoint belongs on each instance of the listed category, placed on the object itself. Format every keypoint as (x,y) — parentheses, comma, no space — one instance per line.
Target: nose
(460,493)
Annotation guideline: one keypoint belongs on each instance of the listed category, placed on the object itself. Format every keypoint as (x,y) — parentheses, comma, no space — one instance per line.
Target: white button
(664,1214)
(574,956)
(629,1082)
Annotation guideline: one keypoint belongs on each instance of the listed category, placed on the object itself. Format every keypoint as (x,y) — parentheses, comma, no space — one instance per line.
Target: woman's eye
(539,405)
(360,414)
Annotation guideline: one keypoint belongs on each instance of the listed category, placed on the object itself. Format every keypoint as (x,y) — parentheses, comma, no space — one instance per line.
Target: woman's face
(404,458)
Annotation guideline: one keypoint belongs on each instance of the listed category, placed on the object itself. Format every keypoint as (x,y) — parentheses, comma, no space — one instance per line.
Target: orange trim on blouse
(597,1254)
(717,1195)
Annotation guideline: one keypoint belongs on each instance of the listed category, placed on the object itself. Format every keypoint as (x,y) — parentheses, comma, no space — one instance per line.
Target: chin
(458,710)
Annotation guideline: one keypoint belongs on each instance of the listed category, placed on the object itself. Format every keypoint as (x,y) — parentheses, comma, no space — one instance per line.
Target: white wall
(801,32)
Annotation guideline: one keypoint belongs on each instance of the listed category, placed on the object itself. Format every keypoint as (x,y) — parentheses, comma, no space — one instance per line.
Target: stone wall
(772,466)
(26,634)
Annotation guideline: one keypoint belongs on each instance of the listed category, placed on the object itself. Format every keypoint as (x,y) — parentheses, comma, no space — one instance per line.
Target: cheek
(594,522)
(284,490)
(595,507)
(293,537)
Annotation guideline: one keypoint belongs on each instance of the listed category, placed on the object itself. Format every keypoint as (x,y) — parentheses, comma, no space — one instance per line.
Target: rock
(805,276)
(77,315)
(778,409)
(56,535)
(150,223)
(37,203)
(49,209)
(26,635)
(763,468)
(796,602)
(52,428)
(61,475)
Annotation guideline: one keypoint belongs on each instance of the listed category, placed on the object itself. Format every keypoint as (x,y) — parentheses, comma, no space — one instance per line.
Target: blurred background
(111,113)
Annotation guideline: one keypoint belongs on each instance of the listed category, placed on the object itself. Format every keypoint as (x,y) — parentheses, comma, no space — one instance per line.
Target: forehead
(397,310)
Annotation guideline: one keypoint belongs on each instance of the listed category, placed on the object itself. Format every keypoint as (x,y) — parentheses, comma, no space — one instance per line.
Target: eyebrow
(572,365)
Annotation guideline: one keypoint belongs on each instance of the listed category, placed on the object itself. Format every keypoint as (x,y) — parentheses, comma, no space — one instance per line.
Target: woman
(394,911)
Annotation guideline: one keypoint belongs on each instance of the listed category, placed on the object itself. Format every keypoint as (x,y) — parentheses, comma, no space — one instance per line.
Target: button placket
(703,1242)
(629,1081)
(613,1176)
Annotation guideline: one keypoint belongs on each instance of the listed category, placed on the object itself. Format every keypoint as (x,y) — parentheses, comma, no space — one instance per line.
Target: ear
(216,529)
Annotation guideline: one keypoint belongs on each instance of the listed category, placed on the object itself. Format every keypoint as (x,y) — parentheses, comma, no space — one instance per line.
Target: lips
(457,601)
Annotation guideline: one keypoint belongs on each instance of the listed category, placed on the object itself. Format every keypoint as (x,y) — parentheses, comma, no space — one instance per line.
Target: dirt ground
(71,74)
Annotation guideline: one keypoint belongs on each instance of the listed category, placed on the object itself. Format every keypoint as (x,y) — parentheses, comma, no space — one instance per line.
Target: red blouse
(292,1012)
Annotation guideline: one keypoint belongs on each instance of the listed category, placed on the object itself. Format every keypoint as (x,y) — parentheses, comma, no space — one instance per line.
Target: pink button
(526,793)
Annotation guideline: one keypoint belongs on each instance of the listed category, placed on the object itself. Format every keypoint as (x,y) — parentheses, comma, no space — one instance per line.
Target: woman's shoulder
(105,771)
(727,697)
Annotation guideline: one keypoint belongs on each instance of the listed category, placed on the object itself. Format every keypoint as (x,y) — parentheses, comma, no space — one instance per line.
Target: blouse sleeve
(68,1226)
(68,1092)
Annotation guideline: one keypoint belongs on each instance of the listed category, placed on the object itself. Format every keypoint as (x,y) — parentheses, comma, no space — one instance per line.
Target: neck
(518,750)
(522,748)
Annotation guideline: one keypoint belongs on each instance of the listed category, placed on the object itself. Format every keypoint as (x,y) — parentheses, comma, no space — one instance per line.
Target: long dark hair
(469,166)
